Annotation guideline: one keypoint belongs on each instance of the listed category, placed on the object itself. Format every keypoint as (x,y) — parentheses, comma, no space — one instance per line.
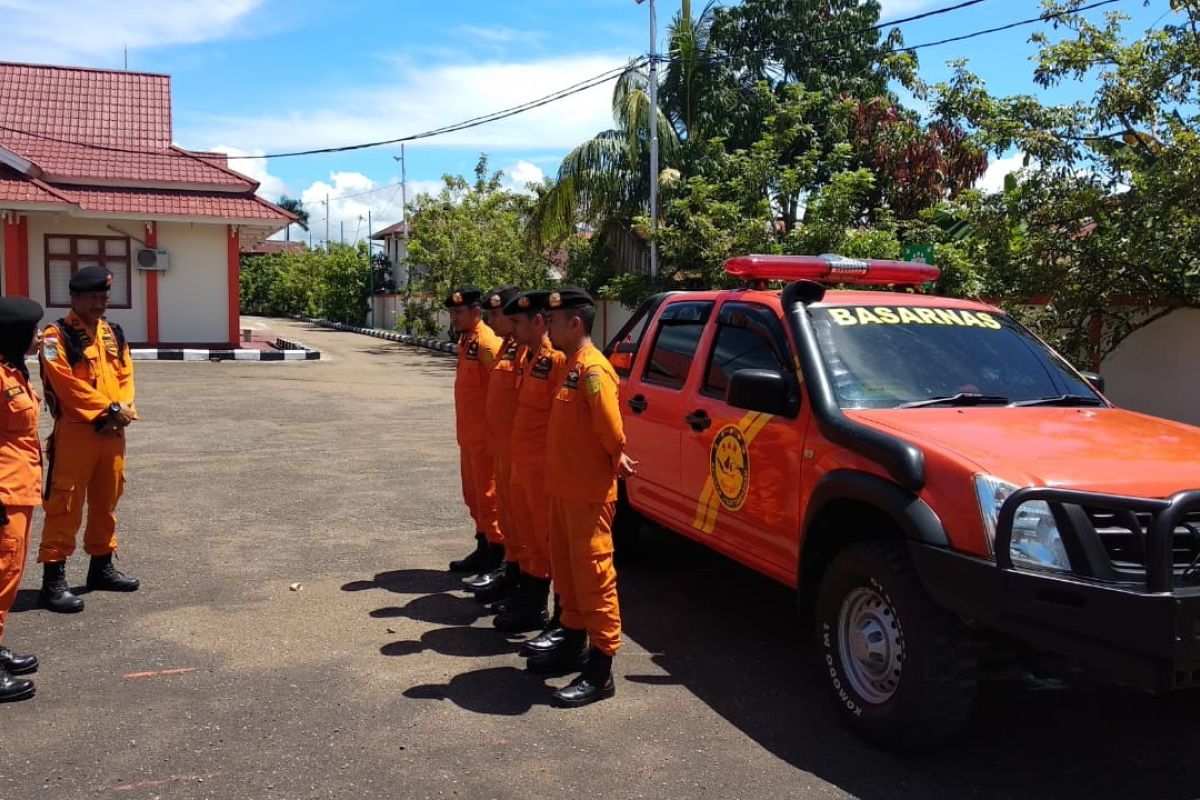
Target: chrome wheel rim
(870,645)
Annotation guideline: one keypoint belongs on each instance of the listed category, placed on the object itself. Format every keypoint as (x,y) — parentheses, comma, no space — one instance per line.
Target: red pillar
(151,242)
(16,255)
(234,272)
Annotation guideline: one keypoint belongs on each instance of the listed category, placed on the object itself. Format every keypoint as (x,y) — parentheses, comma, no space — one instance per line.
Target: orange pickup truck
(929,475)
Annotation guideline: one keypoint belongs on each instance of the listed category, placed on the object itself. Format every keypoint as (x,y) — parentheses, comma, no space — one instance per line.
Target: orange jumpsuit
(477,351)
(538,378)
(501,408)
(583,444)
(20,479)
(83,464)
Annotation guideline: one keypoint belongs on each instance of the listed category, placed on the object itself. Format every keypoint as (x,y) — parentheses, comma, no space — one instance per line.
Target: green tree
(295,207)
(1104,222)
(474,233)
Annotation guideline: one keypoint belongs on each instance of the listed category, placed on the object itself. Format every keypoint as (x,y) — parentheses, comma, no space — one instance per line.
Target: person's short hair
(586,315)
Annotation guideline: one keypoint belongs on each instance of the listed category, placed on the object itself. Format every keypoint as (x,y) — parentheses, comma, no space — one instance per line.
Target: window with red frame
(66,255)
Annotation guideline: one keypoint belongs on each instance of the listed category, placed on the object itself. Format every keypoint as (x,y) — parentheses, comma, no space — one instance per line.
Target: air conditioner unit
(153,259)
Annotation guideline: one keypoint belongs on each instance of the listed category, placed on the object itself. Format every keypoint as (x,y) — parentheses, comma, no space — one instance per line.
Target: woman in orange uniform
(20,474)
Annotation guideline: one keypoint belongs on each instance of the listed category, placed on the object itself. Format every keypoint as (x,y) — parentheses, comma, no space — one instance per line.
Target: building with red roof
(89,175)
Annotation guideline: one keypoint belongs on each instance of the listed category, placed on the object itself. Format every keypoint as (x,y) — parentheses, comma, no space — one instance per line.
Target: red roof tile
(67,161)
(118,109)
(167,203)
(17,189)
(98,125)
(399,229)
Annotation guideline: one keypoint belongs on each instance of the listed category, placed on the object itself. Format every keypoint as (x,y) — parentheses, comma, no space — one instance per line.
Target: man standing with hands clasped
(584,457)
(87,374)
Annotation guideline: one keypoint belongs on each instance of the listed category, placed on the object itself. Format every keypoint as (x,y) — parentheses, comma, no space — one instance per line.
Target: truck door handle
(699,420)
(638,404)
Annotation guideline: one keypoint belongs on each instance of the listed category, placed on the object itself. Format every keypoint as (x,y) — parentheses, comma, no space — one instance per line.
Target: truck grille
(1124,535)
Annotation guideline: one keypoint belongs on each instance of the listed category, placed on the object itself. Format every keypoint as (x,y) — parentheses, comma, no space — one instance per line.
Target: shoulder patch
(593,383)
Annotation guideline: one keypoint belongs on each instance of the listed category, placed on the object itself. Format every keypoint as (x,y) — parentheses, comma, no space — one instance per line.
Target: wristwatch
(114,409)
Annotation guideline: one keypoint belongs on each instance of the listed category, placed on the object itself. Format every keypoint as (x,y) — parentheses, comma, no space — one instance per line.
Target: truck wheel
(902,671)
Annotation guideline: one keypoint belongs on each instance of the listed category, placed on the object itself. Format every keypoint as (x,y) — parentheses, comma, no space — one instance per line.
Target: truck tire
(902,672)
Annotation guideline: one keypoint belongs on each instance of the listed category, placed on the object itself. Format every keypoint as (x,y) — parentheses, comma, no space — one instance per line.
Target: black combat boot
(529,612)
(14,664)
(491,561)
(104,577)
(56,595)
(548,639)
(595,683)
(501,585)
(570,655)
(13,689)
(474,561)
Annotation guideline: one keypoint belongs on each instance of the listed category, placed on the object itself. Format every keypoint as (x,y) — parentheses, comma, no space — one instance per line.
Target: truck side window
(622,348)
(748,337)
(675,342)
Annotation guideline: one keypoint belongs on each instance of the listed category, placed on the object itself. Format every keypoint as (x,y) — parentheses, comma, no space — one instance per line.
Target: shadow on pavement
(460,642)
(440,609)
(410,581)
(503,691)
(732,638)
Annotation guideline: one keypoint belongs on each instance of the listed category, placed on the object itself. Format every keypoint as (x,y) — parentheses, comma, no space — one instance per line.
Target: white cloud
(522,173)
(993,179)
(351,196)
(895,8)
(422,97)
(500,35)
(271,187)
(74,31)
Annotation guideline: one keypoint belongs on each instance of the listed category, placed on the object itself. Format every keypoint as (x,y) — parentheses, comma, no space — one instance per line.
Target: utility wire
(582,86)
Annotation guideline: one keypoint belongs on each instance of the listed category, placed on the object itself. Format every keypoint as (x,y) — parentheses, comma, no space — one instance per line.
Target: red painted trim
(151,287)
(234,285)
(16,256)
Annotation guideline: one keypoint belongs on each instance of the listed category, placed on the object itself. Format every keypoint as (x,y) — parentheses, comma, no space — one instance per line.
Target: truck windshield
(896,356)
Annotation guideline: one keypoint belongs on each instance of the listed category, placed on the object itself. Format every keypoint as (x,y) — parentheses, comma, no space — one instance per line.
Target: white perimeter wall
(1157,369)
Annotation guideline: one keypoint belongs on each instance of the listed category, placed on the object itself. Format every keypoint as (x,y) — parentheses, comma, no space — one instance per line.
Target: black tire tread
(949,656)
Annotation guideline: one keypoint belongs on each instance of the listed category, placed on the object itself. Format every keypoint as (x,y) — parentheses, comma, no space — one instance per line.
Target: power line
(582,86)
(910,48)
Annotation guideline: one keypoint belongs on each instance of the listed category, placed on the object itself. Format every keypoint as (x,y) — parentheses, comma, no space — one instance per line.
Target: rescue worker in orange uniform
(478,347)
(20,475)
(87,373)
(501,406)
(585,456)
(538,376)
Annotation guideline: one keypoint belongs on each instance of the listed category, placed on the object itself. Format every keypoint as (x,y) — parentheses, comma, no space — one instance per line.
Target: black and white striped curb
(438,345)
(292,351)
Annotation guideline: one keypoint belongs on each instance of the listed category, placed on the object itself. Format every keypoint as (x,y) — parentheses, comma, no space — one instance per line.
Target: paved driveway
(379,680)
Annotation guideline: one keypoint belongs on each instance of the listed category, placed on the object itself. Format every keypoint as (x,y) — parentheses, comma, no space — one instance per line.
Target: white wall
(132,320)
(1157,368)
(193,295)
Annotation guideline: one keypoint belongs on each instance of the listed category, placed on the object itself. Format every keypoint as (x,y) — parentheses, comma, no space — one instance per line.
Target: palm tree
(294,206)
(605,182)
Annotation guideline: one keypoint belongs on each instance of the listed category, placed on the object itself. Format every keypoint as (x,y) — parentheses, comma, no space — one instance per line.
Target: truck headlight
(1036,541)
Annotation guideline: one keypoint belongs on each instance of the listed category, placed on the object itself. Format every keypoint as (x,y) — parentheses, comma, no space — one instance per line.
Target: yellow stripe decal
(709,504)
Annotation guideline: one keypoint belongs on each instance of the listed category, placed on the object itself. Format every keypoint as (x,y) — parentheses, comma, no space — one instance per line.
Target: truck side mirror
(763,390)
(1095,380)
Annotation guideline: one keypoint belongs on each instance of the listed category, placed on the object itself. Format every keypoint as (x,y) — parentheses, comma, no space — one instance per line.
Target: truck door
(742,469)
(653,407)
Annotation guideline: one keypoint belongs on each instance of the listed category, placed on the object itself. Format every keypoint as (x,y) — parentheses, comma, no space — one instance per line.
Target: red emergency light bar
(831,268)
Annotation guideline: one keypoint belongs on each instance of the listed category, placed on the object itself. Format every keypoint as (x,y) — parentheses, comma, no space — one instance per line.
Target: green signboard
(920,253)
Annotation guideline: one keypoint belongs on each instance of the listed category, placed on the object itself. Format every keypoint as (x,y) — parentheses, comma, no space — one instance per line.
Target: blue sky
(264,76)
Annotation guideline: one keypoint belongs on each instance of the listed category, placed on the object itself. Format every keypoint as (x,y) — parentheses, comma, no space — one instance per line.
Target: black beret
(19,311)
(568,297)
(528,303)
(498,298)
(462,297)
(91,279)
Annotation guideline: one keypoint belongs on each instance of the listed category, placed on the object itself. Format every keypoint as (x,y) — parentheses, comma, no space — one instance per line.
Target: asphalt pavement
(377,677)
